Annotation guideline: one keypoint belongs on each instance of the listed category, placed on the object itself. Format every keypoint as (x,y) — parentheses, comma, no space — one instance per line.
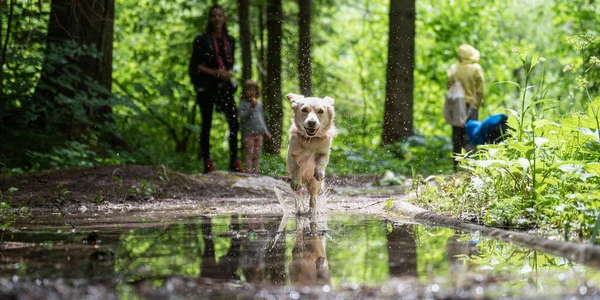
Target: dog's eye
(304,110)
(320,111)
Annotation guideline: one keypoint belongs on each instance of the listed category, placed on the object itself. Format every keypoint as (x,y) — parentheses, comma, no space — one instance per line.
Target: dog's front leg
(314,187)
(321,166)
(294,170)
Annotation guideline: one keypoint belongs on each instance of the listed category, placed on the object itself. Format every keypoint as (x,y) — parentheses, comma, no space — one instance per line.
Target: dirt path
(150,188)
(90,197)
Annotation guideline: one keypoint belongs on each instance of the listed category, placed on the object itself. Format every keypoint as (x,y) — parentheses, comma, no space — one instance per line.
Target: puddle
(252,256)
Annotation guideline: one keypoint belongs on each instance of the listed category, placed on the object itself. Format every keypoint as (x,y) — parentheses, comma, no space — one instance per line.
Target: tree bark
(402,252)
(260,48)
(245,38)
(80,25)
(398,118)
(273,104)
(304,62)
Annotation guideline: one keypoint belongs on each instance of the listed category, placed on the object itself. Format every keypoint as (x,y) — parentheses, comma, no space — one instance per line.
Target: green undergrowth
(545,175)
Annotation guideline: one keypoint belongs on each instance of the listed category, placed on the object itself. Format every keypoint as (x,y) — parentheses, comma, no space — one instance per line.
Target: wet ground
(270,256)
(137,232)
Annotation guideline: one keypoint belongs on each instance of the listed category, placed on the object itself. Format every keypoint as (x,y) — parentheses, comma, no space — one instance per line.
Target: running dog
(311,135)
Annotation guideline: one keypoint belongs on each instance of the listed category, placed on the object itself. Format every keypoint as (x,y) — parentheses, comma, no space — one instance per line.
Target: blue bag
(491,130)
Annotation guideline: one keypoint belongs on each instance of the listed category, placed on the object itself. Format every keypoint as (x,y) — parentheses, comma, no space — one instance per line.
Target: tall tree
(304,68)
(77,69)
(243,12)
(402,251)
(260,45)
(273,106)
(398,115)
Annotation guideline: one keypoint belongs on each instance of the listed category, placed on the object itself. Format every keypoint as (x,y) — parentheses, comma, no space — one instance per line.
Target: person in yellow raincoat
(470,75)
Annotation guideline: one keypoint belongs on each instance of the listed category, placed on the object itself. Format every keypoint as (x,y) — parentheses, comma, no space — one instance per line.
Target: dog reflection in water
(309,261)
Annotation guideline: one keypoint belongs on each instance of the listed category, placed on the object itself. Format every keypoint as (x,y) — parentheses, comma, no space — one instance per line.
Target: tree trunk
(275,256)
(304,67)
(402,252)
(398,118)
(4,40)
(77,28)
(260,48)
(243,11)
(273,106)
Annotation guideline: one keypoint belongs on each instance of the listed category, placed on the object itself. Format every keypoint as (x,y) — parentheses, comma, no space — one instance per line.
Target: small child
(252,124)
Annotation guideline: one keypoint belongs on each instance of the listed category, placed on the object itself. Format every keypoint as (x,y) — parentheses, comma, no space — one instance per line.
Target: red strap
(227,52)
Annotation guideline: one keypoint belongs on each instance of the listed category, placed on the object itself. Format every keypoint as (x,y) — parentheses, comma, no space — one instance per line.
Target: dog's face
(312,115)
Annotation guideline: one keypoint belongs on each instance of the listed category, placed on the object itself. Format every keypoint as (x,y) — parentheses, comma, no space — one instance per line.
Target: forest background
(152,102)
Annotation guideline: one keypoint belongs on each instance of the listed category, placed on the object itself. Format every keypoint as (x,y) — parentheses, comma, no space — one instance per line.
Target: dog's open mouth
(311,131)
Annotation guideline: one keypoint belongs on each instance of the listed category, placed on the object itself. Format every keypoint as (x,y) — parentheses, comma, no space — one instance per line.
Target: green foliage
(545,174)
(154,103)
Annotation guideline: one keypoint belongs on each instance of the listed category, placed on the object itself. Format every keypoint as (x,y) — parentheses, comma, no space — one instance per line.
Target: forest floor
(137,187)
(77,196)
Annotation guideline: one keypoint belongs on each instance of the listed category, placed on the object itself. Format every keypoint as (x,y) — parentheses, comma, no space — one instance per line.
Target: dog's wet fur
(311,135)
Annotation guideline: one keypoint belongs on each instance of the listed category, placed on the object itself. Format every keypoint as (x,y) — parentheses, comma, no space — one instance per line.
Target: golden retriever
(311,135)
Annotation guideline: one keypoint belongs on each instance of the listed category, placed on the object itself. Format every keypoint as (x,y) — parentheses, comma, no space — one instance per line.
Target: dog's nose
(311,123)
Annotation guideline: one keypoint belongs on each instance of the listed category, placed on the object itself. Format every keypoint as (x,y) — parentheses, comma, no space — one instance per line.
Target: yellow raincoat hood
(468,54)
(469,73)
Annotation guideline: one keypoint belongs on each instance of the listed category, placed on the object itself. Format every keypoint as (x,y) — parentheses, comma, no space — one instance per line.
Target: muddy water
(274,257)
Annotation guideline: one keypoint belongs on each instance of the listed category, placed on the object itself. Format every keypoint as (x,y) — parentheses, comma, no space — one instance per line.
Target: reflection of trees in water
(457,250)
(228,264)
(275,255)
(254,245)
(402,251)
(253,249)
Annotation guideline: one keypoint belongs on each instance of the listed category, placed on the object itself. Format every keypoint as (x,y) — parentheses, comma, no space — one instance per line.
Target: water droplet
(479,290)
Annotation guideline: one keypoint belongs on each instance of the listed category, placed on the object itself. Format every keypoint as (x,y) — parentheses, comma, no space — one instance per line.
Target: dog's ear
(330,109)
(294,99)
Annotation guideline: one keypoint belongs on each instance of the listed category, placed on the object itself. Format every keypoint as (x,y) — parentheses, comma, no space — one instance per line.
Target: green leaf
(593,168)
(534,61)
(522,147)
(509,82)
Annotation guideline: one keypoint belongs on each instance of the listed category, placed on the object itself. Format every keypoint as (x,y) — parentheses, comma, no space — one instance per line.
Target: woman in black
(211,73)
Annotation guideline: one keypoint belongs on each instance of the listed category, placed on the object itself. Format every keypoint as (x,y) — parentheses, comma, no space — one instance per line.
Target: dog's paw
(295,185)
(319,174)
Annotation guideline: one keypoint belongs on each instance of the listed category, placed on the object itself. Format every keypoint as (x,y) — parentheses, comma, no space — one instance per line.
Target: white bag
(455,107)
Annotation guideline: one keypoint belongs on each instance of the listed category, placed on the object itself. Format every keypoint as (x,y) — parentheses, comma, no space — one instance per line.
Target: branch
(153,113)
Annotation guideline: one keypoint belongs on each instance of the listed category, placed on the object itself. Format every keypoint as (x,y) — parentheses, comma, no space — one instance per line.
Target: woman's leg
(228,107)
(206,110)
(472,114)
(458,140)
